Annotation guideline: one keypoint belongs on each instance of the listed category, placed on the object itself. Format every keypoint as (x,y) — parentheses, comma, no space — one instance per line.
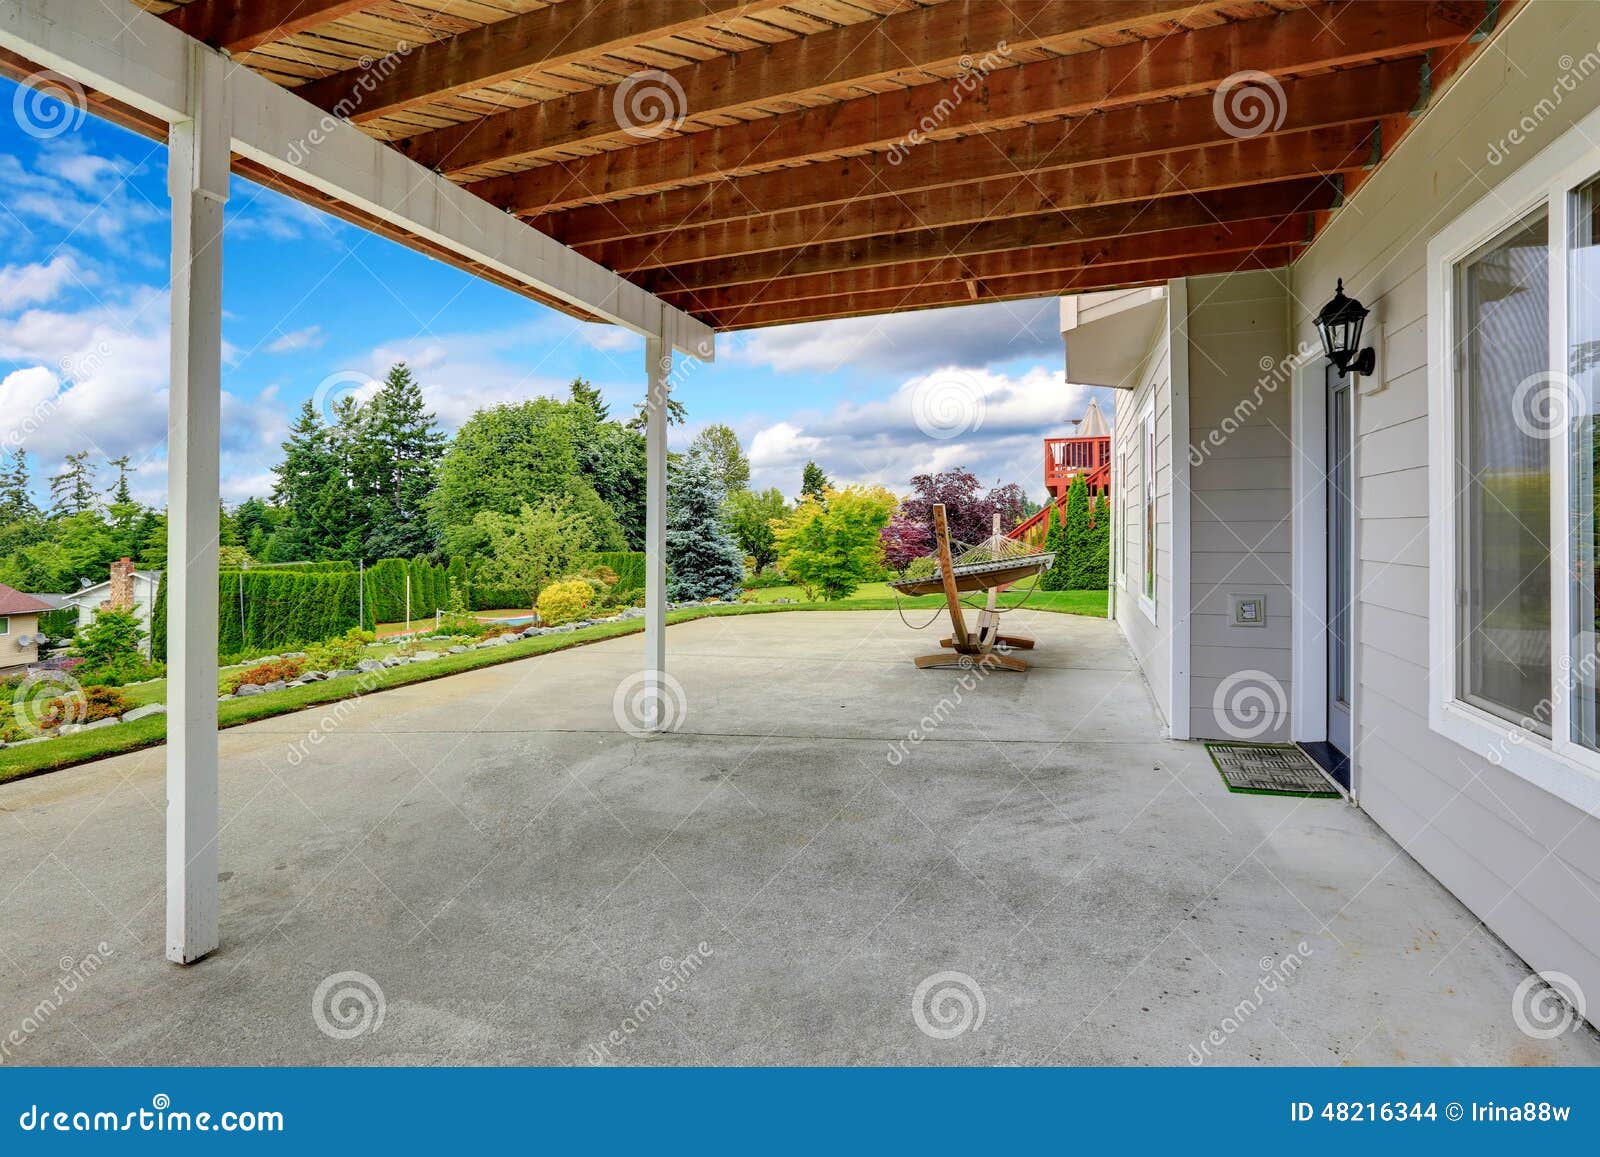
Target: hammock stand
(967,649)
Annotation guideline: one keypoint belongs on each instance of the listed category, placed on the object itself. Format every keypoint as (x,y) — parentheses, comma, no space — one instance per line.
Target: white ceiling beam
(142,61)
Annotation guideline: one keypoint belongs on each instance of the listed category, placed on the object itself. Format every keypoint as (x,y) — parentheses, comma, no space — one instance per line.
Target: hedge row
(386,589)
(629,565)
(274,609)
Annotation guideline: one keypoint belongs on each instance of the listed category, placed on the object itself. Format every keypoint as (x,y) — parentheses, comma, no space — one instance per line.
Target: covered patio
(510,878)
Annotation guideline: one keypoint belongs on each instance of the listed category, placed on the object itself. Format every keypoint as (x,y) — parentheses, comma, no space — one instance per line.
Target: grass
(84,746)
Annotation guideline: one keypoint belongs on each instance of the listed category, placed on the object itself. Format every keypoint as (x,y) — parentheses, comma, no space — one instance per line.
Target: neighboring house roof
(14,602)
(96,593)
(56,601)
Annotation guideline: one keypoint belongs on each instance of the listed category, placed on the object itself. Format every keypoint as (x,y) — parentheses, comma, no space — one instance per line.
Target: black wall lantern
(1340,323)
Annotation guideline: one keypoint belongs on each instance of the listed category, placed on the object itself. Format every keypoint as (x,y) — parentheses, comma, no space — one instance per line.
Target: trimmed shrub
(339,654)
(97,703)
(565,601)
(262,673)
(627,564)
(482,597)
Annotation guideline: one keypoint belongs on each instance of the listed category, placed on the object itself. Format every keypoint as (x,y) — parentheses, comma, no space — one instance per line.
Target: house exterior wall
(1150,639)
(144,600)
(1240,503)
(11,655)
(1524,861)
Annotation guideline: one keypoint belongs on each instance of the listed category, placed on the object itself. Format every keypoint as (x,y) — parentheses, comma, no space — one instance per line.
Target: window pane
(1502,347)
(1583,363)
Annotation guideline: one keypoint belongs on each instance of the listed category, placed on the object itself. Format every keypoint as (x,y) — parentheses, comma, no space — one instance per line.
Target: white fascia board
(143,61)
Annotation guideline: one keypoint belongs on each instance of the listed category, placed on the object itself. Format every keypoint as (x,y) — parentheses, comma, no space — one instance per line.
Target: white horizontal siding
(1525,862)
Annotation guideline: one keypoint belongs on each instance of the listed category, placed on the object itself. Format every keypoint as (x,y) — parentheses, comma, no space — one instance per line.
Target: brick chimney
(121,596)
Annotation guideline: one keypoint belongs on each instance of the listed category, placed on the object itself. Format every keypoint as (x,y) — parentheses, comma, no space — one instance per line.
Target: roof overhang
(1109,335)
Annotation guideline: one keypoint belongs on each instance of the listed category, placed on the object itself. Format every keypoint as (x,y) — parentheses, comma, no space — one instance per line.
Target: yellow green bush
(565,601)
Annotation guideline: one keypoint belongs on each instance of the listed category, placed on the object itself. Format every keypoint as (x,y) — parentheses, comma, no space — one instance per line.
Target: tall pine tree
(72,491)
(703,559)
(399,446)
(16,497)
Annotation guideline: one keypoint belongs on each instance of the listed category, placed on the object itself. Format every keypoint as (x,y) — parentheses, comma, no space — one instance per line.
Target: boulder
(99,723)
(144,712)
(425,656)
(294,654)
(393,661)
(247,689)
(369,665)
(455,650)
(342,673)
(275,685)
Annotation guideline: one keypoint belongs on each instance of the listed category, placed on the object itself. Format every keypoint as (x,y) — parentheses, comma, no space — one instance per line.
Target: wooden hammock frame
(966,648)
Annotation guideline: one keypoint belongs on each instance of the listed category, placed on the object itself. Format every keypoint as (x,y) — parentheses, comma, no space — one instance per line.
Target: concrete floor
(525,882)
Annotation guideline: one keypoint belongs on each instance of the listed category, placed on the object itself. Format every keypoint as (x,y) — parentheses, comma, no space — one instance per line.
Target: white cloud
(986,422)
(976,335)
(36,283)
(311,337)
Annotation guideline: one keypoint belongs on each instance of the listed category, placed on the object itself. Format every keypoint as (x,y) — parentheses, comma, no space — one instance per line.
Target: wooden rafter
(1135,179)
(559,34)
(1006,289)
(242,27)
(990,268)
(1183,65)
(1361,95)
(941,35)
(1017,233)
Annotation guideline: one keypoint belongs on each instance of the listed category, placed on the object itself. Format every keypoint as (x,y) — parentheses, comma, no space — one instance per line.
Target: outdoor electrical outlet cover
(1249,610)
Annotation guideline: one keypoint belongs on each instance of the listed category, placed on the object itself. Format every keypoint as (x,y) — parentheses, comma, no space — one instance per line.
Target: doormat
(1270,769)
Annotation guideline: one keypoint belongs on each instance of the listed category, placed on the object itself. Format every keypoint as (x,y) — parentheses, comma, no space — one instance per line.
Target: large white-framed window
(1514,383)
(1147,511)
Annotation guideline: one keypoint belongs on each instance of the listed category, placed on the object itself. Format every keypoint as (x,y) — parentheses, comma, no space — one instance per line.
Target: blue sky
(314,308)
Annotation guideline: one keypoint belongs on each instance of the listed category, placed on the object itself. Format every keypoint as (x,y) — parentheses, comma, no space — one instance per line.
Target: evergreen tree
(399,448)
(120,494)
(584,394)
(1100,540)
(16,498)
(719,445)
(814,483)
(1055,579)
(308,467)
(703,560)
(227,528)
(255,524)
(72,491)
(1076,535)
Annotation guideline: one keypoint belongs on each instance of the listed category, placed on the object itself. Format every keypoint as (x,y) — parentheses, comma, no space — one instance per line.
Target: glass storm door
(1341,563)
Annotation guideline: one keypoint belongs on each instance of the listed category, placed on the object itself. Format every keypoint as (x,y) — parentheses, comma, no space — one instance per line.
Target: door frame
(1308,698)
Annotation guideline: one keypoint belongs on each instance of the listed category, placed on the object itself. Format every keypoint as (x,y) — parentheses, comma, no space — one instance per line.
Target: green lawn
(32,758)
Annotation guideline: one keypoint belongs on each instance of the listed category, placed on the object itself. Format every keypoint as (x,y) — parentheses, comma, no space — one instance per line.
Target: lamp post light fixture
(1340,323)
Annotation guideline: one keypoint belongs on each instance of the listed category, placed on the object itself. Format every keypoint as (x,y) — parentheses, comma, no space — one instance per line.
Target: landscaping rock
(340,674)
(498,641)
(424,656)
(143,712)
(313,676)
(455,650)
(99,723)
(294,654)
(633,613)
(370,665)
(245,690)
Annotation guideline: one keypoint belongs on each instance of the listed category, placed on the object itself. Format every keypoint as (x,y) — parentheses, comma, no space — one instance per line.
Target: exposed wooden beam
(971,272)
(966,241)
(242,27)
(1006,289)
(1135,179)
(983,32)
(1181,65)
(507,48)
(1337,98)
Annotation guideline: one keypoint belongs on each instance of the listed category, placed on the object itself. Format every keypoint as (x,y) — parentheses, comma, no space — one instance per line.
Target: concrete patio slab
(525,882)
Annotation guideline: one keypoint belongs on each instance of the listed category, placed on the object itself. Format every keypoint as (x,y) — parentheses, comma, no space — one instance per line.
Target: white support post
(197,178)
(658,368)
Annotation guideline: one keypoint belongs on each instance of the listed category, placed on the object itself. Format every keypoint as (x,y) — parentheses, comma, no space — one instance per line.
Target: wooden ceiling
(761,162)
